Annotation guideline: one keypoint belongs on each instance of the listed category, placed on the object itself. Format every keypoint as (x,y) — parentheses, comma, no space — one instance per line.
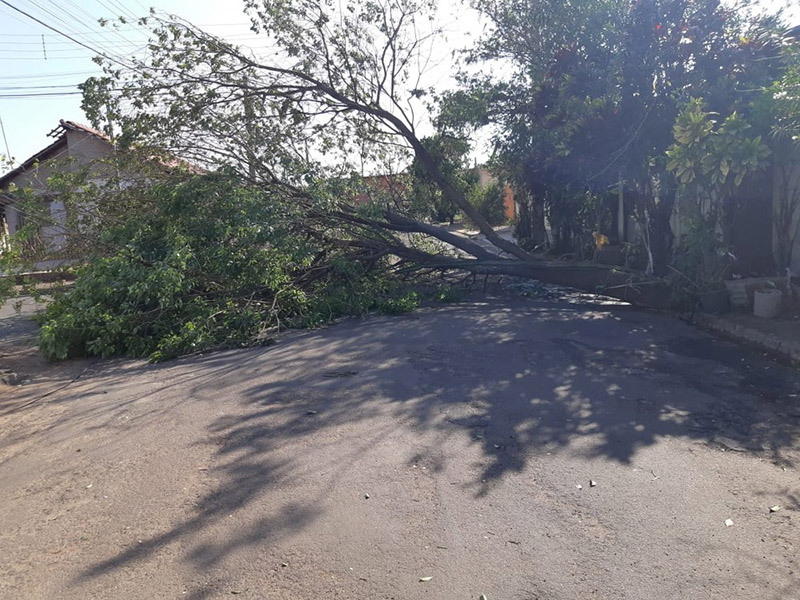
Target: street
(517,448)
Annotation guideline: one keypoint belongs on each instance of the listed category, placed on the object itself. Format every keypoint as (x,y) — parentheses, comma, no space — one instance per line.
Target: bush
(209,263)
(490,203)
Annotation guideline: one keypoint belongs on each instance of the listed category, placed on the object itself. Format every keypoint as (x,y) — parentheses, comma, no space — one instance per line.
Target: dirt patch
(24,374)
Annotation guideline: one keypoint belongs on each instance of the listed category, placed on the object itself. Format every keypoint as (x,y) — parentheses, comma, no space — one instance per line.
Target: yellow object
(600,240)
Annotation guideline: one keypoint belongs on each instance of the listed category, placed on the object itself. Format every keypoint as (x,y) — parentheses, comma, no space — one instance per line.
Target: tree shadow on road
(518,380)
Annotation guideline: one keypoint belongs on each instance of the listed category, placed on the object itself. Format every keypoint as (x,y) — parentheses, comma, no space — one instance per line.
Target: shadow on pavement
(519,379)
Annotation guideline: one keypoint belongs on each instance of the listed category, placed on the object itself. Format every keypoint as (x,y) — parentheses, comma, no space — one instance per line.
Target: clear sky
(40,69)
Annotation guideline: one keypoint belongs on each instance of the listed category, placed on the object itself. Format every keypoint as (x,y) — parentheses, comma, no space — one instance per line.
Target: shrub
(209,263)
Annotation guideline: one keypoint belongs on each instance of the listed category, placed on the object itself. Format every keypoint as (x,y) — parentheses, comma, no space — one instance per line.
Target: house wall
(751,236)
(78,150)
(12,221)
(752,233)
(36,177)
(86,148)
(54,234)
(509,204)
(796,252)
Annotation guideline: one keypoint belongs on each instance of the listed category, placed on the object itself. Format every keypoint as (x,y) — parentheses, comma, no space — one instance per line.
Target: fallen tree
(339,90)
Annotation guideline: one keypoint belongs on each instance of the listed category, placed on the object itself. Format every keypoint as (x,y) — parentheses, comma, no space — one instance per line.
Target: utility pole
(5,139)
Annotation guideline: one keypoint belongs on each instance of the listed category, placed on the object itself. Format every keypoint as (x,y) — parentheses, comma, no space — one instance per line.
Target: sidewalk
(780,336)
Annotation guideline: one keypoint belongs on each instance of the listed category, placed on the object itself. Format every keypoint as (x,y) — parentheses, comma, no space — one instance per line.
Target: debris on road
(340,374)
(592,483)
(774,509)
(12,379)
(728,522)
(424,579)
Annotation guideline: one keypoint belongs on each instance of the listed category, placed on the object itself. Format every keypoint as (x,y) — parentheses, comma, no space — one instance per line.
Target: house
(383,187)
(75,147)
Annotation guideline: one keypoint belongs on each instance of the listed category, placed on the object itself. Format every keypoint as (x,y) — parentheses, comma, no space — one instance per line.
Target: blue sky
(40,69)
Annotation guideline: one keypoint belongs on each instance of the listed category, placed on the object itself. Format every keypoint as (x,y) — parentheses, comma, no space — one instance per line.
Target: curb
(784,349)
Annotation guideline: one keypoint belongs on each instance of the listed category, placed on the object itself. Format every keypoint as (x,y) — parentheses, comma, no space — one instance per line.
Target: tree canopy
(595,89)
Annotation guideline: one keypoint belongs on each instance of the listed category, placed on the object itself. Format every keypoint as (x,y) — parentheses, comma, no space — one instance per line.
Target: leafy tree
(710,161)
(595,88)
(490,202)
(339,92)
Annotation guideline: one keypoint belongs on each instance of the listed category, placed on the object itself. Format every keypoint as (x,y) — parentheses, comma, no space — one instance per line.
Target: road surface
(520,449)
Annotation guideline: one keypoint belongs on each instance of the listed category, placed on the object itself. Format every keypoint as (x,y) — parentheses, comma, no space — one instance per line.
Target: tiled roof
(60,134)
(73,126)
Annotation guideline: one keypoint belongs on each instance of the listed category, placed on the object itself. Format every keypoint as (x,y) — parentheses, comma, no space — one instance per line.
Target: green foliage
(426,199)
(573,218)
(448,293)
(702,259)
(20,251)
(716,158)
(711,160)
(190,272)
(490,203)
(208,263)
(784,95)
(590,90)
(701,263)
(352,288)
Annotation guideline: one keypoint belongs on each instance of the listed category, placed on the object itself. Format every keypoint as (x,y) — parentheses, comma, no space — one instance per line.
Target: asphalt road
(458,443)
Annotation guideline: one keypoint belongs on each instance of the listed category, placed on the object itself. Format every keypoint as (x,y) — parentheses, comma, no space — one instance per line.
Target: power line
(35,87)
(49,49)
(124,9)
(38,95)
(95,32)
(47,76)
(66,35)
(71,17)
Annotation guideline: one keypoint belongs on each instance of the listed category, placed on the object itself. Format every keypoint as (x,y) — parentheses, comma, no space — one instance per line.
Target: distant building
(75,147)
